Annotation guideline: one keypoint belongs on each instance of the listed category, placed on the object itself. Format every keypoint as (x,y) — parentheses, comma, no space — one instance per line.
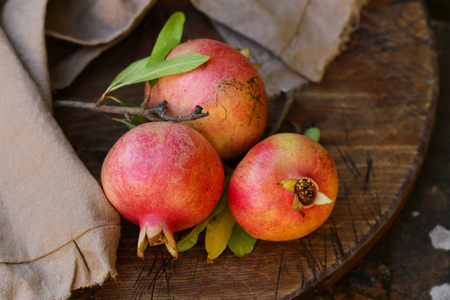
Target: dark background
(404,264)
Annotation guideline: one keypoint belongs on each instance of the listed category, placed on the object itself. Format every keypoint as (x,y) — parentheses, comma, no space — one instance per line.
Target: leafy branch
(149,69)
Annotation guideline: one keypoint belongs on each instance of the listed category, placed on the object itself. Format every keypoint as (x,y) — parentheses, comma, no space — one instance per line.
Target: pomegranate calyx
(156,235)
(306,192)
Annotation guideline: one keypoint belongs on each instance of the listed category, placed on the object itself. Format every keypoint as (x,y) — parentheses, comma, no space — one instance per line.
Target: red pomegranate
(284,188)
(164,177)
(227,86)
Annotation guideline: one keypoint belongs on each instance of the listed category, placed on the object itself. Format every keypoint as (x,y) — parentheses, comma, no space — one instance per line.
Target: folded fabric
(293,41)
(94,25)
(58,232)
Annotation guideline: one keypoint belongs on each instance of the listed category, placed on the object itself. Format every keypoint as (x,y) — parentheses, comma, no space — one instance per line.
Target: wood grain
(375,108)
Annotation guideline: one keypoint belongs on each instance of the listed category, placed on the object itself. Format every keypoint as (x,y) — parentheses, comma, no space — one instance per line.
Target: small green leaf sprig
(149,69)
(221,231)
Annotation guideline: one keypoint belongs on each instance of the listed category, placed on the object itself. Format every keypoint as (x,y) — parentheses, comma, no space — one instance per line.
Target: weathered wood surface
(375,108)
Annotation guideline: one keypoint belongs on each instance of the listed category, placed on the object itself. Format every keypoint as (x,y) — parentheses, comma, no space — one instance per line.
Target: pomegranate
(284,188)
(227,86)
(164,177)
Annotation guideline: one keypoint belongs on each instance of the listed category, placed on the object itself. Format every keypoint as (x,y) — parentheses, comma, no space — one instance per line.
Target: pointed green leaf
(123,103)
(168,38)
(178,64)
(135,121)
(135,66)
(218,233)
(189,240)
(138,120)
(241,242)
(125,121)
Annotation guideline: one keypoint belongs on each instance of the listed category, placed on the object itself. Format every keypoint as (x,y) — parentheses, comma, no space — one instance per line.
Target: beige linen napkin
(96,25)
(58,232)
(292,40)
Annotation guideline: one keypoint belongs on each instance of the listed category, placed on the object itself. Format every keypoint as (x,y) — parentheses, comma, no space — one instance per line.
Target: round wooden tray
(375,108)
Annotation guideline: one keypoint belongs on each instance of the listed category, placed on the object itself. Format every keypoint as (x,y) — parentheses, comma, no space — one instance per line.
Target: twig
(127,116)
(102,100)
(156,113)
(286,108)
(146,100)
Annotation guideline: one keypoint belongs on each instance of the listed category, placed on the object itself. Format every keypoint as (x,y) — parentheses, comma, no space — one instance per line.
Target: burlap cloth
(293,41)
(57,230)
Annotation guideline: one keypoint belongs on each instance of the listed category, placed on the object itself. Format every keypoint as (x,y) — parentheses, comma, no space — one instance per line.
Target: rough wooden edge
(351,258)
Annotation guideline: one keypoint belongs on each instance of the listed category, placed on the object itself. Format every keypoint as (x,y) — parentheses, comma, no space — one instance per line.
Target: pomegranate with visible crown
(284,188)
(164,177)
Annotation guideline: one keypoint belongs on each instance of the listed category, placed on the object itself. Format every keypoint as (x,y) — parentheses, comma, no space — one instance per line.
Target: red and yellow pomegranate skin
(263,208)
(164,177)
(227,86)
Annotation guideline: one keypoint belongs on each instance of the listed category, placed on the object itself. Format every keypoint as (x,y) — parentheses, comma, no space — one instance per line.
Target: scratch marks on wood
(364,199)
(162,270)
(301,271)
(360,208)
(375,204)
(279,273)
(325,237)
(366,219)
(157,278)
(368,172)
(199,254)
(350,213)
(337,244)
(312,259)
(374,199)
(139,276)
(348,161)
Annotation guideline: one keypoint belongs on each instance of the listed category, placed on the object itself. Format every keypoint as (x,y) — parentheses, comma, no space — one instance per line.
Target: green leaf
(188,241)
(128,71)
(138,120)
(178,64)
(125,121)
(135,121)
(241,242)
(123,103)
(168,38)
(218,233)
(313,133)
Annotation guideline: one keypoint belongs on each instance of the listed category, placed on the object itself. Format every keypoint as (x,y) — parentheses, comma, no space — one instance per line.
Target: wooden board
(375,108)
